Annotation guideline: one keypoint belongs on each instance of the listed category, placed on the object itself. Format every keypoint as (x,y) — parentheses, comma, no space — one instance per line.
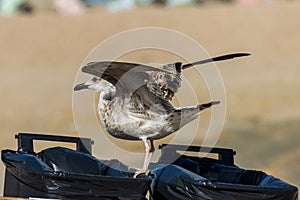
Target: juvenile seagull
(134,99)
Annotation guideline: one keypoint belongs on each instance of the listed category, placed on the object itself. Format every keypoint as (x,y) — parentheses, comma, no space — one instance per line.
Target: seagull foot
(142,173)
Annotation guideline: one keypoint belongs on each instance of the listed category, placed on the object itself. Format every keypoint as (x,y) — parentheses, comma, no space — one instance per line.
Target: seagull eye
(94,79)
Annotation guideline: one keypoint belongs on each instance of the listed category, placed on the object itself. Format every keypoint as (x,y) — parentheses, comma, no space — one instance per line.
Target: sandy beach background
(41,54)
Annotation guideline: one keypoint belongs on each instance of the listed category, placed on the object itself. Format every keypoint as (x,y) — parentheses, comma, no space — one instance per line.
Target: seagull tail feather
(184,115)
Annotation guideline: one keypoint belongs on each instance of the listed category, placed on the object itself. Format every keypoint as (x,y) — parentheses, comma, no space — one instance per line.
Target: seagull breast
(127,117)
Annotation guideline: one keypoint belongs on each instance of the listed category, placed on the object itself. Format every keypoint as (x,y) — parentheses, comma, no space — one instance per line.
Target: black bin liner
(210,179)
(66,174)
(63,173)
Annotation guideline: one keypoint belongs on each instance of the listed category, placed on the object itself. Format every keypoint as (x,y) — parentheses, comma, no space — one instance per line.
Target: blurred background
(43,43)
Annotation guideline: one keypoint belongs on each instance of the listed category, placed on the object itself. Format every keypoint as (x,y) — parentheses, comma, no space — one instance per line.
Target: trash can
(62,173)
(191,177)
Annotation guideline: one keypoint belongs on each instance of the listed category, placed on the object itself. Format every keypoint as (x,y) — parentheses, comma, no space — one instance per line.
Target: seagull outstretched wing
(151,85)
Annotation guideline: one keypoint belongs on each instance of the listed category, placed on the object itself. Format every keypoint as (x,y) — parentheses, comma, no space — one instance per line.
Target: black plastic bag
(61,173)
(208,179)
(66,174)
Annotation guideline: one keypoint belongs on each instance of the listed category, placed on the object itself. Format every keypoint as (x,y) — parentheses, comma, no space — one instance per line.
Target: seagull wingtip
(244,54)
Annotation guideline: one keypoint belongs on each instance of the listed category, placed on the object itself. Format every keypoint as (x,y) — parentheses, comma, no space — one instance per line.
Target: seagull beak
(81,86)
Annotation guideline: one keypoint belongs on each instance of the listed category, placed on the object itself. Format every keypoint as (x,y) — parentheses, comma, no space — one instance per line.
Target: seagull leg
(150,154)
(147,150)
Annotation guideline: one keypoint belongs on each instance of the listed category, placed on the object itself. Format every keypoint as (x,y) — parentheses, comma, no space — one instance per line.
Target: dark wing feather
(168,81)
(117,72)
(138,80)
(152,101)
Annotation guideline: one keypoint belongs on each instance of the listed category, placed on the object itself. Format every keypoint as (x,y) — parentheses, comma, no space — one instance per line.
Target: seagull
(135,99)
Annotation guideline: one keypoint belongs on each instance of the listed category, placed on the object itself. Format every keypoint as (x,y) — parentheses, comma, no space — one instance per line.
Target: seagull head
(95,83)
